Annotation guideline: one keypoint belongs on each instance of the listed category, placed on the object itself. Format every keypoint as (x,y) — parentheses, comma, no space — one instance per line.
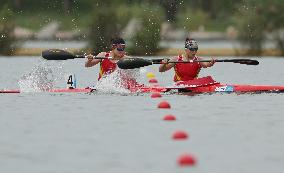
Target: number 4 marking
(70,80)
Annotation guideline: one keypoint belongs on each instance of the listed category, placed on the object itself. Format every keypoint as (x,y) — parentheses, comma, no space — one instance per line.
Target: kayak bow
(64,90)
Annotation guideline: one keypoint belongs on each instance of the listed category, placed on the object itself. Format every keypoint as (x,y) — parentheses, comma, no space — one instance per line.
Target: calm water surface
(125,133)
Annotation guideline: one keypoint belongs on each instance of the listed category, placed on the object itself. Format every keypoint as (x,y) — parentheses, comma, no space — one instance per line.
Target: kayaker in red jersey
(108,65)
(186,71)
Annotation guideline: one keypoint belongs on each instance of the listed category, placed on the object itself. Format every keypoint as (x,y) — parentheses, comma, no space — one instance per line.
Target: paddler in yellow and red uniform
(108,65)
(186,71)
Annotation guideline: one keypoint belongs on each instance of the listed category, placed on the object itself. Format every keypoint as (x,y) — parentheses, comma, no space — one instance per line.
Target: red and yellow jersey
(186,71)
(106,66)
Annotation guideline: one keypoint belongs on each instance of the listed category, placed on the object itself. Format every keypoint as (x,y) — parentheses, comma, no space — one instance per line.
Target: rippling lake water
(125,133)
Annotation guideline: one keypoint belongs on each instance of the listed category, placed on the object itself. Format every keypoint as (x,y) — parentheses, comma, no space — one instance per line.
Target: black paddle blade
(239,61)
(247,61)
(57,54)
(252,62)
(133,63)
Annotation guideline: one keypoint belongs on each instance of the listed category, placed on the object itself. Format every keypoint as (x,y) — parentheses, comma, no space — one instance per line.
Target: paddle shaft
(140,62)
(95,57)
(241,61)
(160,62)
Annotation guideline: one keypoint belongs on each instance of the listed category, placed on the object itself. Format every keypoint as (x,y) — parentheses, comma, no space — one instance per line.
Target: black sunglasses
(192,49)
(119,47)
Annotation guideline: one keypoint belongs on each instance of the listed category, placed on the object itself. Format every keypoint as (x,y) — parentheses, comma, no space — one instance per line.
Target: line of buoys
(153,82)
(163,104)
(184,159)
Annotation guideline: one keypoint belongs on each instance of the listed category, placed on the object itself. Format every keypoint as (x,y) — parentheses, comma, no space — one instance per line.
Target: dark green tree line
(7,40)
(257,21)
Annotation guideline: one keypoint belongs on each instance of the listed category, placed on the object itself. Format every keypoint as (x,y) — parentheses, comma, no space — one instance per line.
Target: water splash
(43,77)
(118,81)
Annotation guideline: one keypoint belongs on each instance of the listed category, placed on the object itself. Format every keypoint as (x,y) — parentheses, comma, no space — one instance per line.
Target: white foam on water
(42,77)
(115,82)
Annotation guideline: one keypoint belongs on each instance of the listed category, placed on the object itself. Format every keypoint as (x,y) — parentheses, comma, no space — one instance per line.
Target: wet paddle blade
(247,62)
(133,63)
(239,61)
(57,54)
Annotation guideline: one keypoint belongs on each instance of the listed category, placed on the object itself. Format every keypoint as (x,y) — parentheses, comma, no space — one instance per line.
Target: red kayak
(200,85)
(9,91)
(66,90)
(235,88)
(208,85)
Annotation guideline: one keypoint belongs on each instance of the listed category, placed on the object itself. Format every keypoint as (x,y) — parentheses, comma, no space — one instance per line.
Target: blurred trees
(103,27)
(108,23)
(18,4)
(170,7)
(7,40)
(146,40)
(64,6)
(216,8)
(192,19)
(258,21)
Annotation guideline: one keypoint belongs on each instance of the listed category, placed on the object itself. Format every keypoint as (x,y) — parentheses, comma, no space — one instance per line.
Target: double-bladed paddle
(58,54)
(139,62)
(131,63)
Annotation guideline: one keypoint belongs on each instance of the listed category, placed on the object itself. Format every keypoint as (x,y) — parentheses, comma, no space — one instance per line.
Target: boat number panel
(227,88)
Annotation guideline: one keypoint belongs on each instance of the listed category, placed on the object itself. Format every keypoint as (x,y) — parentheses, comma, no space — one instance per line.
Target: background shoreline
(166,48)
(163,52)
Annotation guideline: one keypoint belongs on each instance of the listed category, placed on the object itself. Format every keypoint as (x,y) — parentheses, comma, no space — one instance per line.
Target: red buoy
(180,135)
(156,95)
(169,117)
(153,81)
(186,160)
(164,105)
